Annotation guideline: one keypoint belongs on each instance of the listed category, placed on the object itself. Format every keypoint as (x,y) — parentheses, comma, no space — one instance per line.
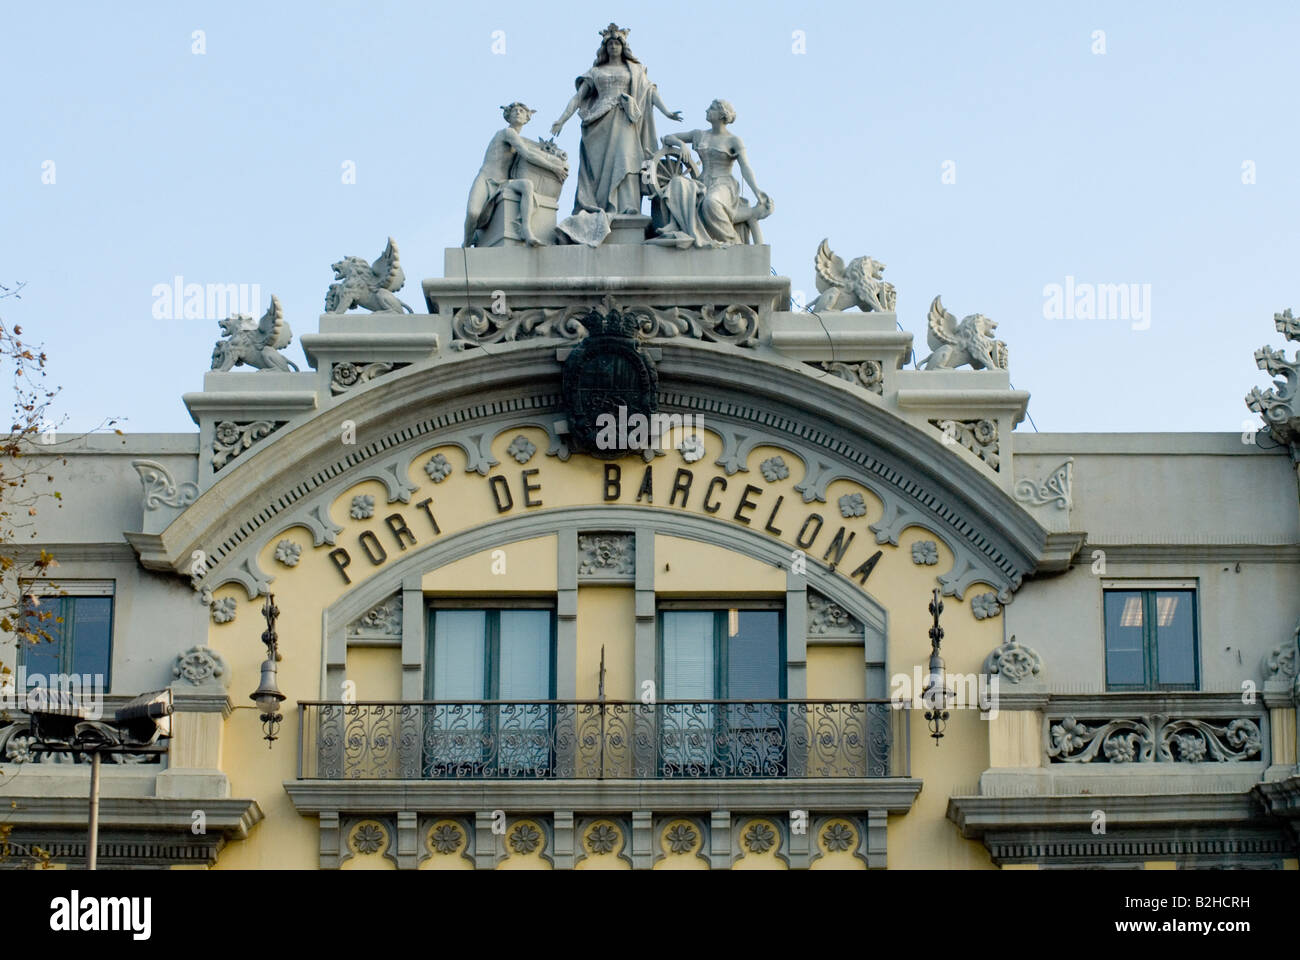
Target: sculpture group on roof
(695,202)
(621,160)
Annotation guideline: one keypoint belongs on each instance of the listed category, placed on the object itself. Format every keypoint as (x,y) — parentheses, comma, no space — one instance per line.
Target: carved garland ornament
(828,617)
(384,619)
(231,438)
(17,743)
(736,323)
(980,437)
(1154,738)
(345,376)
(865,373)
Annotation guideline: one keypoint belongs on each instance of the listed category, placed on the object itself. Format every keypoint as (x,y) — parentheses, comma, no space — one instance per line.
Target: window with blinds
(505,655)
(734,654)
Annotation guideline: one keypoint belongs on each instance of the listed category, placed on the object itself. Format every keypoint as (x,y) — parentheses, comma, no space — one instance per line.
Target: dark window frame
(492,639)
(719,609)
(61,630)
(1150,645)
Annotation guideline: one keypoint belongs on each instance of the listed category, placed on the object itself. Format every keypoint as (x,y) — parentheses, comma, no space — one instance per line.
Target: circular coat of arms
(607,383)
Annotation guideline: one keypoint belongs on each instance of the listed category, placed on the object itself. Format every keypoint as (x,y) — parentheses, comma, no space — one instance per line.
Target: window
(490,654)
(1151,639)
(81,634)
(722,654)
(734,654)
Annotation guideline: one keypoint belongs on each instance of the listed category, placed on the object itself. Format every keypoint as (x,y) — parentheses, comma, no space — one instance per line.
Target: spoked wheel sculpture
(667,164)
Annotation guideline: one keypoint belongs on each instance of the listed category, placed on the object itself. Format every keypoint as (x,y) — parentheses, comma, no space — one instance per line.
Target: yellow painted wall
(376,671)
(836,672)
(1016,739)
(607,616)
(685,566)
(464,501)
(525,566)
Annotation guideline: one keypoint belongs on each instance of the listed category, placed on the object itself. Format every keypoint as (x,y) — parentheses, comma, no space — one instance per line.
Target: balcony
(549,740)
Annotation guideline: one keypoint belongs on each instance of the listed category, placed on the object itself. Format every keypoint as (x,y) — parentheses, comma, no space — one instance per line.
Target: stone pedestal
(503,227)
(627,228)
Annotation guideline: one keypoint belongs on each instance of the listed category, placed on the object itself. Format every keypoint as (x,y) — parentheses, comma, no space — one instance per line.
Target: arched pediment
(830,430)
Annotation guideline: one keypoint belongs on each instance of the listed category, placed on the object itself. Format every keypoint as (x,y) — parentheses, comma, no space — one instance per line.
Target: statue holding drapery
(616,102)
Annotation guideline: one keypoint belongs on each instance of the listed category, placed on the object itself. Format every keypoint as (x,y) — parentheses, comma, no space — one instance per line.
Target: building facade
(613,560)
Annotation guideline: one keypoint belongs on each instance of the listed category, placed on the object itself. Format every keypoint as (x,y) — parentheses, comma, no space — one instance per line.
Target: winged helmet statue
(368,285)
(859,283)
(969,341)
(254,343)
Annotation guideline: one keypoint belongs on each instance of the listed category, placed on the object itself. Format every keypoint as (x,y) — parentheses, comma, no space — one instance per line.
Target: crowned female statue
(616,102)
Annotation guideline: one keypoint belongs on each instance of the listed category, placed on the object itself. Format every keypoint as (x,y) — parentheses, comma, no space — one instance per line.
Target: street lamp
(59,725)
(936,693)
(267,696)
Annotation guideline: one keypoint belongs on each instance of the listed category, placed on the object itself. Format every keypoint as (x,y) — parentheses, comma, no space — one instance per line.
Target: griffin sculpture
(968,342)
(256,344)
(859,283)
(367,285)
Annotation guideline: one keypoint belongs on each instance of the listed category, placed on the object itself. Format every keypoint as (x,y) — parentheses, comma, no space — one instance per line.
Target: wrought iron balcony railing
(590,739)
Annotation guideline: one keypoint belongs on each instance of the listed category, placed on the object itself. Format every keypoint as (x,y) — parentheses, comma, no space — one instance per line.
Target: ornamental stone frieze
(1154,738)
(615,838)
(736,323)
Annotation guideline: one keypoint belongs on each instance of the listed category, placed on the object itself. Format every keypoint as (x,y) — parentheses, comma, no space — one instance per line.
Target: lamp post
(267,696)
(936,694)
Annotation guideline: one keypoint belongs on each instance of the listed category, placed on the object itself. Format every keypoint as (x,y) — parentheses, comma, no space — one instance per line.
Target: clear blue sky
(225,167)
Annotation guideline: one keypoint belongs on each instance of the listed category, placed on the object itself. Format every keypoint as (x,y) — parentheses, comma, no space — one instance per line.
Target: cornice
(1183,553)
(976,816)
(312,797)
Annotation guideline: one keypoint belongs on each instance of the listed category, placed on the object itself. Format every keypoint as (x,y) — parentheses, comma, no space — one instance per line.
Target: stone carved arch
(920,481)
(406,573)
